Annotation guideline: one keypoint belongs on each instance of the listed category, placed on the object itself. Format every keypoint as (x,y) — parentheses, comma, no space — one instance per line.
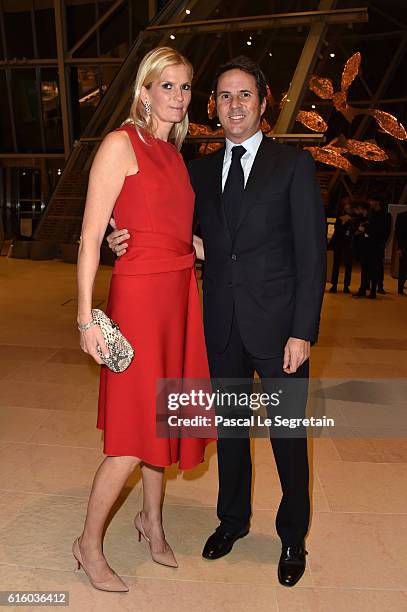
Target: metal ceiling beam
(122,93)
(303,71)
(47,62)
(263,22)
(8,79)
(386,15)
(63,94)
(32,156)
(315,137)
(388,75)
(360,102)
(95,27)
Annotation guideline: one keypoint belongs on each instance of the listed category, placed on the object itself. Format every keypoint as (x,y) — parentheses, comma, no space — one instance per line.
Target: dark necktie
(234,188)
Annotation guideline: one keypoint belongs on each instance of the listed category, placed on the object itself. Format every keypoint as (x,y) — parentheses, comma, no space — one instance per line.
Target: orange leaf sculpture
(312,121)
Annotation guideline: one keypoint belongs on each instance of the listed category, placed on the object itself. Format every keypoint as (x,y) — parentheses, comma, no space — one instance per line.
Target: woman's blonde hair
(150,69)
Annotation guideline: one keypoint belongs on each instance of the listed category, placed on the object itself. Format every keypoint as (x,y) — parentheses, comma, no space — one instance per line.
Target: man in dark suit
(264,240)
(401,235)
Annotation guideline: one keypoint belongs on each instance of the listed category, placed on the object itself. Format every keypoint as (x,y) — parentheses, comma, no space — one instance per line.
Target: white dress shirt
(252,146)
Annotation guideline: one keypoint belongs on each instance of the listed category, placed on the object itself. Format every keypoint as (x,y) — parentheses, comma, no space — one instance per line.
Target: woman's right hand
(90,339)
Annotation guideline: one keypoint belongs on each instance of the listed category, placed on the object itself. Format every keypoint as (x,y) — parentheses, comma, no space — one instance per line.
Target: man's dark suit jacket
(272,272)
(400,230)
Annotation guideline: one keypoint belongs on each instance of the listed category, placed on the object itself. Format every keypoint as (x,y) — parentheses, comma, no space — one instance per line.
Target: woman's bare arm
(106,179)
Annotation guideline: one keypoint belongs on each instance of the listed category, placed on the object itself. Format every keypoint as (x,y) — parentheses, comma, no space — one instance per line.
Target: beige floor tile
(32,353)
(72,356)
(340,600)
(51,372)
(390,450)
(365,551)
(8,366)
(364,487)
(38,530)
(89,401)
(356,449)
(145,594)
(323,449)
(46,395)
(48,469)
(65,428)
(19,424)
(362,419)
(376,450)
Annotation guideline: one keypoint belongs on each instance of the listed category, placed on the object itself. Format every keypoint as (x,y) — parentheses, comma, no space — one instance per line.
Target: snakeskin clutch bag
(121,352)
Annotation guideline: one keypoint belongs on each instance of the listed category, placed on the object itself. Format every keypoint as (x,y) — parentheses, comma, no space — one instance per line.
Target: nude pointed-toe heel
(163,558)
(114,584)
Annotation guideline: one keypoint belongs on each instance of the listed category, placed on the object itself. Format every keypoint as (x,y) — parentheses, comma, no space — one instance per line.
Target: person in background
(376,241)
(360,237)
(383,217)
(342,240)
(401,235)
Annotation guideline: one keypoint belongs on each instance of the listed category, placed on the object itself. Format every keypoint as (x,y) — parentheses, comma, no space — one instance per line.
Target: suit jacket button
(234,256)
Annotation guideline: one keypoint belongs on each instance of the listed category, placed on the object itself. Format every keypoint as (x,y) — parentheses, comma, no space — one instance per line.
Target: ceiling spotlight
(313,106)
(172,37)
(332,55)
(249,42)
(270,54)
(218,125)
(250,37)
(188,12)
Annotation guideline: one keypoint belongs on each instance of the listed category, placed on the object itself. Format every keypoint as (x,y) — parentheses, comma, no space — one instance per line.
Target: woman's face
(169,95)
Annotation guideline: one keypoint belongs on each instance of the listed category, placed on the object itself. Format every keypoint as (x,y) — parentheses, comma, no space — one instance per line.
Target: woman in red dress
(140,178)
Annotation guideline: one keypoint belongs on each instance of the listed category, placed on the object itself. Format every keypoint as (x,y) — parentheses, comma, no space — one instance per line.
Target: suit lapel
(263,165)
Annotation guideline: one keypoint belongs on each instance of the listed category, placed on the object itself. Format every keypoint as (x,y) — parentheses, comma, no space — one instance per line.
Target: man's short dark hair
(246,65)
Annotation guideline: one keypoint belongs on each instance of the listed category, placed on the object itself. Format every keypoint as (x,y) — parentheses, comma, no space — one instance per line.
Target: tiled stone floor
(50,448)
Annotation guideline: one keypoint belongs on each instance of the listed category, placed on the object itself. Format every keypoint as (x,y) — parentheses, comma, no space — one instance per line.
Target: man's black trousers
(234,460)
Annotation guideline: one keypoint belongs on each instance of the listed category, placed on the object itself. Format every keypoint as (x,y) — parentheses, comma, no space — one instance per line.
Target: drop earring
(147,106)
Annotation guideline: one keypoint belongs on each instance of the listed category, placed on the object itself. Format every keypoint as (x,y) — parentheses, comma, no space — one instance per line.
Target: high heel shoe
(164,558)
(115,583)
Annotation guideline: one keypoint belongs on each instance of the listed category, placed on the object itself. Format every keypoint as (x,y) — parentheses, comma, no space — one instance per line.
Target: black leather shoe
(346,290)
(221,542)
(292,565)
(333,289)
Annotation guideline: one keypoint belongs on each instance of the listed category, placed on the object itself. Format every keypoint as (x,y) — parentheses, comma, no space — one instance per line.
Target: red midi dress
(154,299)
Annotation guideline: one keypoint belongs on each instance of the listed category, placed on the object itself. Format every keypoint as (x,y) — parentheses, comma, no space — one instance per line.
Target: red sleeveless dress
(154,299)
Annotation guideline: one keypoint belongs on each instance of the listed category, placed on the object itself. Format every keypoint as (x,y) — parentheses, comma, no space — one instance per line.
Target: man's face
(238,105)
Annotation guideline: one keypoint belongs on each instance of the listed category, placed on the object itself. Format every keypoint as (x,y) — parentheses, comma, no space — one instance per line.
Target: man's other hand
(296,352)
(117,239)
